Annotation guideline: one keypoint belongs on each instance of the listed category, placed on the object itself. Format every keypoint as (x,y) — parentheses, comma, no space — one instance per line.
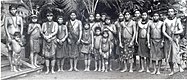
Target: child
(16,47)
(87,40)
(34,32)
(97,42)
(105,50)
(61,50)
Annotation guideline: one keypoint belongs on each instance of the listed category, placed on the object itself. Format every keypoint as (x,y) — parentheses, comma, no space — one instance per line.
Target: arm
(92,39)
(119,34)
(43,29)
(80,33)
(30,29)
(137,34)
(148,35)
(6,28)
(114,29)
(134,32)
(21,20)
(164,31)
(180,27)
(55,32)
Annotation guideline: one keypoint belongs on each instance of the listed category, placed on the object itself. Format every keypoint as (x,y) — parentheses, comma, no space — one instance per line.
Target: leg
(180,68)
(85,62)
(35,59)
(110,64)
(62,64)
(96,64)
(71,64)
(159,66)
(10,60)
(75,64)
(52,65)
(125,66)
(171,67)
(103,65)
(88,55)
(58,64)
(142,65)
(106,65)
(131,65)
(47,65)
(99,65)
(147,64)
(134,59)
(154,66)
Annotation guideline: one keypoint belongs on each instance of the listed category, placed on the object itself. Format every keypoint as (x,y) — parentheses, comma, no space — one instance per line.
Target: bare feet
(52,71)
(171,73)
(76,69)
(141,70)
(158,72)
(181,70)
(95,69)
(36,65)
(99,69)
(148,71)
(130,70)
(47,72)
(71,69)
(111,69)
(58,70)
(154,72)
(124,70)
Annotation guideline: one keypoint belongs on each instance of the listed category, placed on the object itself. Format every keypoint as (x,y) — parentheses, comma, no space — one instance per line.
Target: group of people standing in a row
(151,39)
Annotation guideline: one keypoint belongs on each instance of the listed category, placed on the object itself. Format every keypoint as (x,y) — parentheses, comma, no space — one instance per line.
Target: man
(75,34)
(49,32)
(172,27)
(118,49)
(13,23)
(127,36)
(155,42)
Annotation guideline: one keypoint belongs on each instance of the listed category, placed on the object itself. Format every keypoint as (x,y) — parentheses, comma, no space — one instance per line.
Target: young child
(61,50)
(105,50)
(16,47)
(97,42)
(34,31)
(87,41)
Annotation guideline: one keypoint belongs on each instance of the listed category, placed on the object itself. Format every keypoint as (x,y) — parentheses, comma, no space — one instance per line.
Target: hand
(137,43)
(78,42)
(120,44)
(170,39)
(58,40)
(149,46)
(131,44)
(9,39)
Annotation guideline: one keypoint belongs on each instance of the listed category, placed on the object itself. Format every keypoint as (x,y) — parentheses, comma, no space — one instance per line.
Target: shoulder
(55,23)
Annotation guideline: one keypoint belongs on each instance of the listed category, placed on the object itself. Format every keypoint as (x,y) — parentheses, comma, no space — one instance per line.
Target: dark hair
(17,34)
(105,31)
(103,14)
(127,12)
(155,13)
(74,11)
(97,28)
(12,6)
(60,17)
(108,18)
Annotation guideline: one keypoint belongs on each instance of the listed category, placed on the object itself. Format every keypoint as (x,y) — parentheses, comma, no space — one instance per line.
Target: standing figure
(98,22)
(49,32)
(105,50)
(156,41)
(143,49)
(119,50)
(34,31)
(74,37)
(172,27)
(61,41)
(127,36)
(111,28)
(137,17)
(13,23)
(97,54)
(87,41)
(16,49)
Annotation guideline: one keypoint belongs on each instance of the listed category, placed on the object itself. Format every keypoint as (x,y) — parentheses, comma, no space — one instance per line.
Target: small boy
(97,54)
(105,50)
(34,31)
(16,47)
(87,41)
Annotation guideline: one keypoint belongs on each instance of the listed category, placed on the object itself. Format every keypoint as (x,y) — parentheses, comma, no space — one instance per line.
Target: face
(60,20)
(156,17)
(34,19)
(98,32)
(17,38)
(91,18)
(121,17)
(144,16)
(13,11)
(50,17)
(86,26)
(97,17)
(73,16)
(137,14)
(103,17)
(171,12)
(127,16)
(107,21)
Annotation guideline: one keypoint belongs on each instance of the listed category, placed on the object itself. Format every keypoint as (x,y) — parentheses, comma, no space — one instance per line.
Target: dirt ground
(100,75)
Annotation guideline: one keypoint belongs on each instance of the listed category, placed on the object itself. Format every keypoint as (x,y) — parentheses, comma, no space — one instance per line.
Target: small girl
(16,47)
(97,54)
(61,50)
(105,50)
(87,41)
(34,31)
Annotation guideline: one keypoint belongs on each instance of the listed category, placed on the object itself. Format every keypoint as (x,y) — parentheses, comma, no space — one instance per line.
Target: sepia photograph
(93,39)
